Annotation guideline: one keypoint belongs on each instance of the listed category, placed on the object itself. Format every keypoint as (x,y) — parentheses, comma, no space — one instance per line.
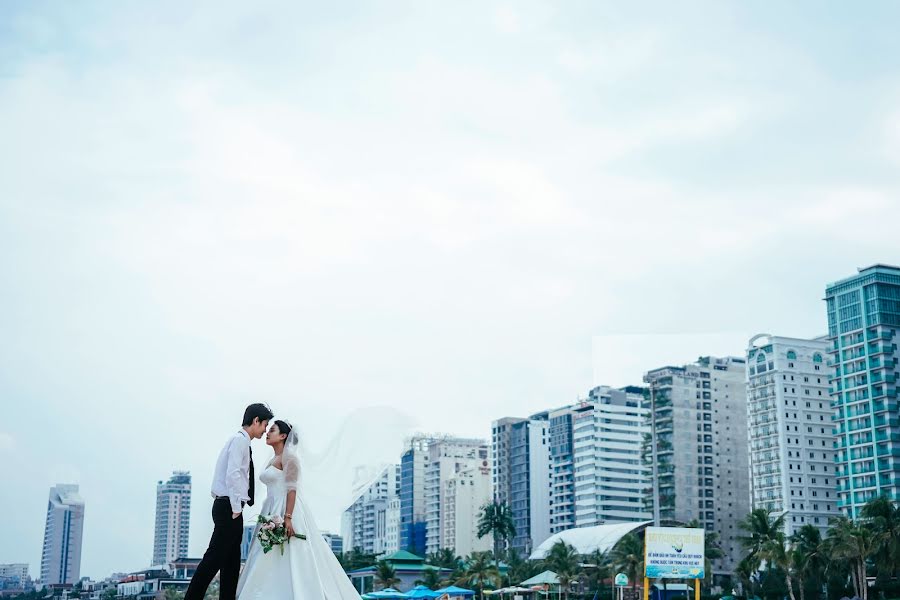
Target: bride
(308,570)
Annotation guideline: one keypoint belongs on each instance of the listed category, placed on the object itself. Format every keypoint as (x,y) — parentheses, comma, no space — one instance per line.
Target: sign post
(674,553)
(621,583)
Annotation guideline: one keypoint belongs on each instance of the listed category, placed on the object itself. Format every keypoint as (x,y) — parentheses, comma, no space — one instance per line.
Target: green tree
(761,529)
(173,594)
(496,519)
(385,576)
(480,572)
(779,554)
(809,558)
(597,569)
(627,556)
(431,578)
(883,517)
(445,558)
(520,569)
(563,560)
(857,544)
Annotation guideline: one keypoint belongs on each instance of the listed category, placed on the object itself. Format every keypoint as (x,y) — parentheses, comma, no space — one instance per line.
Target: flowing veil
(335,461)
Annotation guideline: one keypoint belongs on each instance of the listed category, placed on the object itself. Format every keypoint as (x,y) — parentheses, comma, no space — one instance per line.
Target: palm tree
(856,543)
(809,557)
(762,529)
(563,560)
(431,578)
(597,569)
(778,553)
(883,516)
(385,576)
(479,571)
(496,519)
(445,558)
(627,557)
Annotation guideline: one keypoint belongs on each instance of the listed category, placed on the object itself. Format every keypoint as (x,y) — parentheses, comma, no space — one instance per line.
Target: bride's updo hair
(284,427)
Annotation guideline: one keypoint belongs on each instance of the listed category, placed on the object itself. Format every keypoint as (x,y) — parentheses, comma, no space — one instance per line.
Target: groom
(232,488)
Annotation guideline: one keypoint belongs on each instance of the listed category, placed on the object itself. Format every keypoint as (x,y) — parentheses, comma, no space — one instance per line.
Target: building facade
(863,319)
(790,432)
(365,522)
(14,579)
(173,518)
(412,494)
(334,541)
(520,457)
(447,457)
(610,477)
(699,449)
(61,554)
(562,470)
(463,495)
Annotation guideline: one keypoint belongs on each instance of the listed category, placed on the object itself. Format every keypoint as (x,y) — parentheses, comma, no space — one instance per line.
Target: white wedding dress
(308,570)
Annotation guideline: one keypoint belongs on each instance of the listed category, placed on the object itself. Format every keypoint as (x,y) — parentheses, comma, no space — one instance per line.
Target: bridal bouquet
(272,532)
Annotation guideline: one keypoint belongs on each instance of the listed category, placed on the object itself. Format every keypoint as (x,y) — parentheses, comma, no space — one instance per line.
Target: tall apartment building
(610,477)
(699,430)
(447,457)
(791,441)
(412,494)
(863,319)
(562,469)
(392,526)
(61,555)
(463,495)
(365,523)
(173,518)
(520,459)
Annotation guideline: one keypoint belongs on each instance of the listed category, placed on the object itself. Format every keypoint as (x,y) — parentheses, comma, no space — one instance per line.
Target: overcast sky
(395,216)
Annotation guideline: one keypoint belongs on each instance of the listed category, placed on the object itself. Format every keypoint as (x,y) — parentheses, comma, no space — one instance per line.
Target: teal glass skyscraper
(863,319)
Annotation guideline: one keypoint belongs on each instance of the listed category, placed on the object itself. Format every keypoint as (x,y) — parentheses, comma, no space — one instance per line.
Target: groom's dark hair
(257,411)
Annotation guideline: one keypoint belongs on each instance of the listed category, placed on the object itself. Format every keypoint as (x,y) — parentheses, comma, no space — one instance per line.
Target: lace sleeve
(291,465)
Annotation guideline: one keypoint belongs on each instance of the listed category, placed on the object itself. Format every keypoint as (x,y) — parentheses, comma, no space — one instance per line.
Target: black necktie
(252,480)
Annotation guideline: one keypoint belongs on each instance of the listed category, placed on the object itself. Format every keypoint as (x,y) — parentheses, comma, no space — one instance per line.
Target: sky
(383,218)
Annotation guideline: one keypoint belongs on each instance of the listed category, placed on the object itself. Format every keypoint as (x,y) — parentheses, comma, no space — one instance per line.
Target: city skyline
(388,220)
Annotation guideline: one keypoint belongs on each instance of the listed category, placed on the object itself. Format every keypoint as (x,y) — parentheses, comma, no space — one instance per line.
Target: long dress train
(308,570)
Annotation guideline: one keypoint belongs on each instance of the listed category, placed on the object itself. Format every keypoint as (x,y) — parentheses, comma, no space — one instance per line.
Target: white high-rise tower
(173,518)
(61,556)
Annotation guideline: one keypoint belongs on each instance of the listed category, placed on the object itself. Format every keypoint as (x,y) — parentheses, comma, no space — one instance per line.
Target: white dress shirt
(232,476)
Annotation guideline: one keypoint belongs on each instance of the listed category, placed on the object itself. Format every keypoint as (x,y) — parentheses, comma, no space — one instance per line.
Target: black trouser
(223,555)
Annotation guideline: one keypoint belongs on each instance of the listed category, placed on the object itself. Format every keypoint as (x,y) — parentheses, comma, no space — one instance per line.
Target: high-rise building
(463,495)
(562,470)
(791,441)
(698,420)
(173,518)
(520,459)
(366,526)
(447,456)
(61,555)
(412,494)
(863,319)
(610,477)
(392,526)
